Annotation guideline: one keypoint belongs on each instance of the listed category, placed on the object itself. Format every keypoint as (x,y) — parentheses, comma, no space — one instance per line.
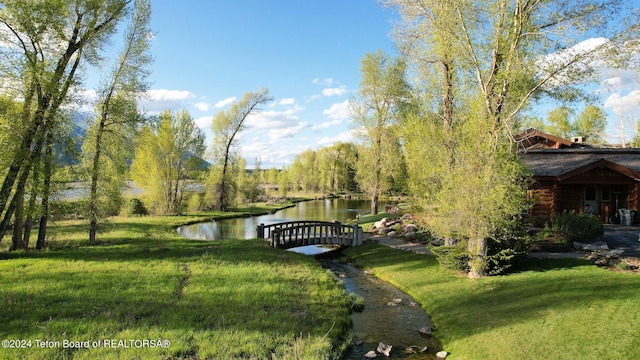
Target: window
(606,194)
(590,193)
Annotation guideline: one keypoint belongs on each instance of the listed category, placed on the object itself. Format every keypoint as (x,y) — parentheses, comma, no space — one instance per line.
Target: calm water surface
(245,228)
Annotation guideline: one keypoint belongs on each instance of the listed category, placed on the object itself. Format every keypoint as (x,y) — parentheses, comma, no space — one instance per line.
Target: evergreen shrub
(572,226)
(507,247)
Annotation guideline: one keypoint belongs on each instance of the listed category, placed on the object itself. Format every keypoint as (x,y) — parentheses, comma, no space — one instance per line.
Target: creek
(390,316)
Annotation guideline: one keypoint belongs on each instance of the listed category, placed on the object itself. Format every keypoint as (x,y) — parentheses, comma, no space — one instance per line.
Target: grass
(548,309)
(224,299)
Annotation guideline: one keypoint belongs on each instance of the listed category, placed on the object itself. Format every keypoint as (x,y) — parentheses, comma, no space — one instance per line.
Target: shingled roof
(563,163)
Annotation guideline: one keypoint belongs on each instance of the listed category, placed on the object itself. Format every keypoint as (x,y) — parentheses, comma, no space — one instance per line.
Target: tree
(383,96)
(509,52)
(44,44)
(591,123)
(559,120)
(117,107)
(168,154)
(226,127)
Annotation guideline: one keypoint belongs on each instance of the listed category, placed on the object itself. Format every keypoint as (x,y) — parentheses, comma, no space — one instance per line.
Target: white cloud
(582,56)
(204,122)
(348,136)
(225,102)
(277,124)
(326,124)
(202,106)
(157,100)
(623,104)
(287,101)
(338,111)
(168,95)
(325,82)
(339,91)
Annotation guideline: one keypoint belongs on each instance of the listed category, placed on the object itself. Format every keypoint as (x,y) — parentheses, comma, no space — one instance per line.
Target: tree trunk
(374,202)
(478,253)
(93,196)
(18,222)
(46,190)
(222,206)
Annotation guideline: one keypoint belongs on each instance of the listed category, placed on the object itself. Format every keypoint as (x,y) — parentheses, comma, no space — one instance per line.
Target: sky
(306,53)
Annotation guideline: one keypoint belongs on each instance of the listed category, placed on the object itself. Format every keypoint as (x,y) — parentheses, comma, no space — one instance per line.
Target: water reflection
(245,228)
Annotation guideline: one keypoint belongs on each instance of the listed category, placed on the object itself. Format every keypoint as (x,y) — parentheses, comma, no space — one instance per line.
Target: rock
(442,354)
(436,242)
(406,217)
(358,343)
(411,228)
(392,234)
(383,231)
(425,330)
(371,355)
(413,303)
(410,236)
(411,350)
(424,349)
(392,303)
(384,349)
(598,245)
(378,224)
(397,301)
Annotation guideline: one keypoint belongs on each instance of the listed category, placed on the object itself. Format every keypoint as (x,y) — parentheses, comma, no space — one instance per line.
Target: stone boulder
(598,245)
(411,228)
(410,236)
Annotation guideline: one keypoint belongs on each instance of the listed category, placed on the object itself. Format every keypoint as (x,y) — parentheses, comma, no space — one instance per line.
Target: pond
(245,228)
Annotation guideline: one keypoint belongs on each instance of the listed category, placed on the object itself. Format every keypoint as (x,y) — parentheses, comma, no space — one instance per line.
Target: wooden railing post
(357,235)
(260,231)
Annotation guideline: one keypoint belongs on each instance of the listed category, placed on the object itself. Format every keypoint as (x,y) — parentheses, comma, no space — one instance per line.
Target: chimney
(578,139)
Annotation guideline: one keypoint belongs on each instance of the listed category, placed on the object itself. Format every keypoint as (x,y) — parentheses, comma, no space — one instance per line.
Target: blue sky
(208,53)
(307,53)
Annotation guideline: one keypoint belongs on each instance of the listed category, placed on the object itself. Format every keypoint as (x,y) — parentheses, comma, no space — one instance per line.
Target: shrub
(572,226)
(505,248)
(454,257)
(135,207)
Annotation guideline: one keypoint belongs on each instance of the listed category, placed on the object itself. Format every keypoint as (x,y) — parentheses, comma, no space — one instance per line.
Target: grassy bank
(549,309)
(223,299)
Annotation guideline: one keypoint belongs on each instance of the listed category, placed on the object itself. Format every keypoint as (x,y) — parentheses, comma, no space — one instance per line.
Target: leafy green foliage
(135,207)
(455,257)
(167,154)
(572,226)
(506,248)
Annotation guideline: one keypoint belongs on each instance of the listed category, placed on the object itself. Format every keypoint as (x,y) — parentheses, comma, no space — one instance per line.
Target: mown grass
(547,309)
(218,300)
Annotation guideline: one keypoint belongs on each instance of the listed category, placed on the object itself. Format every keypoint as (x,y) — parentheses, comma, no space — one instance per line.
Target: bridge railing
(301,233)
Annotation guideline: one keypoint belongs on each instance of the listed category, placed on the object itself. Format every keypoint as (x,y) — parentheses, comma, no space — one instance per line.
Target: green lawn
(548,309)
(143,283)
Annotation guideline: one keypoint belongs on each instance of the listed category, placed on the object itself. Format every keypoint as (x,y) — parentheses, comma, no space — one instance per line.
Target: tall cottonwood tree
(505,53)
(43,46)
(383,97)
(227,124)
(167,154)
(117,111)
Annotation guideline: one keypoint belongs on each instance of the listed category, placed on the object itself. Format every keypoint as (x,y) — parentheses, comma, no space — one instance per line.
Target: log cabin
(571,174)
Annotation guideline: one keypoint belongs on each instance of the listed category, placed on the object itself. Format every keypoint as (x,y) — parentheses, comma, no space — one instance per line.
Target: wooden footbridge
(287,235)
